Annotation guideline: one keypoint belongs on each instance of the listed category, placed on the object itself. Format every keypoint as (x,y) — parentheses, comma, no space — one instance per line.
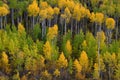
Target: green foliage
(36,32)
(66,37)
(91,45)
(77,41)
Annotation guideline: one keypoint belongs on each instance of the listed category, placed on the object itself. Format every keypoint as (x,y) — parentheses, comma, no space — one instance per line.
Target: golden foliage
(43,14)
(21,28)
(77,13)
(33,8)
(56,10)
(43,5)
(5,58)
(62,62)
(4,10)
(77,66)
(57,72)
(96,71)
(110,23)
(50,12)
(62,3)
(52,32)
(47,50)
(68,47)
(70,5)
(46,75)
(83,60)
(101,36)
(92,17)
(99,18)
(84,44)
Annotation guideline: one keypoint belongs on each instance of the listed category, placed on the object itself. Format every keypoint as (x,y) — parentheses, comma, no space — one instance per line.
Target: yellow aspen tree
(52,32)
(92,17)
(87,11)
(50,13)
(83,11)
(96,71)
(62,4)
(70,5)
(56,73)
(4,62)
(21,28)
(83,59)
(110,24)
(66,16)
(56,13)
(33,11)
(68,48)
(76,12)
(101,36)
(99,18)
(47,50)
(46,75)
(56,10)
(62,61)
(77,66)
(33,8)
(43,5)
(43,16)
(4,10)
(76,15)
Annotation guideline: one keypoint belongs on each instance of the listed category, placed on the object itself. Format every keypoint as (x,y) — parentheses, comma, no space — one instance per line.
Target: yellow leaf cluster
(96,71)
(50,12)
(5,58)
(101,36)
(68,46)
(84,44)
(4,10)
(57,72)
(87,11)
(70,5)
(83,60)
(56,10)
(47,50)
(77,13)
(62,62)
(62,3)
(43,5)
(33,9)
(83,11)
(20,28)
(110,23)
(99,18)
(43,14)
(52,32)
(77,65)
(92,17)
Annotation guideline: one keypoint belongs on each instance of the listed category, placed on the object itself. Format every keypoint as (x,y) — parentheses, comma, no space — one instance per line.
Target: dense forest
(59,40)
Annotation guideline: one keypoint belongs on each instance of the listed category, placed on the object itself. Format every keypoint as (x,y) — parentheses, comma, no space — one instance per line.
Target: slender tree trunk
(76,27)
(49,22)
(26,20)
(18,20)
(65,27)
(43,29)
(99,50)
(5,21)
(116,35)
(1,22)
(71,26)
(33,21)
(12,16)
